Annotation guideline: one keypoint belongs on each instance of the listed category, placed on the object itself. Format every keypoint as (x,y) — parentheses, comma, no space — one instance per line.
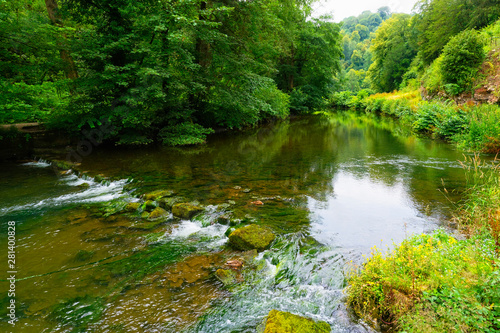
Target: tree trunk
(55,18)
(203,54)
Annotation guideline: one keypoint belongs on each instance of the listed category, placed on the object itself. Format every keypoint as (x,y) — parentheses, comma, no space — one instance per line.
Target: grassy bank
(438,283)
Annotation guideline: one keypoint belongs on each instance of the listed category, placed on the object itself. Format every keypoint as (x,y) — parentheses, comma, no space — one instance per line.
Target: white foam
(95,193)
(186,228)
(37,164)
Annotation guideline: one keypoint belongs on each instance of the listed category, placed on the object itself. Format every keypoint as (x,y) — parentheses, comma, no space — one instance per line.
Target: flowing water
(332,187)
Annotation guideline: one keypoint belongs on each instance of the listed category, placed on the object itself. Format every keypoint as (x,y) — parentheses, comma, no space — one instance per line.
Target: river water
(332,187)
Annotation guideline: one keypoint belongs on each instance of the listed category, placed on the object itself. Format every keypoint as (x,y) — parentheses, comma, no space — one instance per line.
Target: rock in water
(286,322)
(226,276)
(251,237)
(186,210)
(149,205)
(157,213)
(155,195)
(132,206)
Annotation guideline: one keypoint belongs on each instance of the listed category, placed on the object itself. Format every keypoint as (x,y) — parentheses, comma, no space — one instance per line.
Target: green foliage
(462,57)
(442,119)
(483,130)
(356,41)
(346,99)
(184,134)
(308,72)
(393,49)
(433,78)
(29,63)
(341,99)
(414,285)
(440,20)
(23,102)
(367,19)
(149,65)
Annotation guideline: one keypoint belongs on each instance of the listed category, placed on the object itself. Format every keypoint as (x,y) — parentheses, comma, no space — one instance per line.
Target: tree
(31,80)
(393,49)
(308,73)
(439,20)
(55,18)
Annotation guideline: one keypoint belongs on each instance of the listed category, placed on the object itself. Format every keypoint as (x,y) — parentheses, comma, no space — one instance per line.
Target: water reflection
(309,157)
(350,182)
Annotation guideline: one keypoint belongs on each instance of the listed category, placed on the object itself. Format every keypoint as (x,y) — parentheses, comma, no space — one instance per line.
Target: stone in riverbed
(158,194)
(251,237)
(157,213)
(226,276)
(286,322)
(186,210)
(132,206)
(149,205)
(168,203)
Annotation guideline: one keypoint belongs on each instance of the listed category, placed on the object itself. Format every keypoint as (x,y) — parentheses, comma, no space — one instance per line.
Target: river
(332,187)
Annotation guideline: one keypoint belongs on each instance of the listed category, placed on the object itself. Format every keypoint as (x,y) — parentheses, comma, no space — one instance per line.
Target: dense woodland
(164,70)
(172,72)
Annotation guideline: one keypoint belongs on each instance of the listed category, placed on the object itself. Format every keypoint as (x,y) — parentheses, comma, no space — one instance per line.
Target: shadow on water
(332,186)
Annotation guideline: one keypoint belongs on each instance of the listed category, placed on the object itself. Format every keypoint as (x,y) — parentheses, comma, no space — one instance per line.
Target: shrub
(431,281)
(341,99)
(462,57)
(184,134)
(433,77)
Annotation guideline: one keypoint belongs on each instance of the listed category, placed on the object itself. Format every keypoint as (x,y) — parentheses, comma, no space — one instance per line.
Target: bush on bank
(430,283)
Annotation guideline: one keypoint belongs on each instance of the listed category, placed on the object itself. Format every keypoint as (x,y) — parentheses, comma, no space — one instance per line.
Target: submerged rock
(168,203)
(224,219)
(251,237)
(132,206)
(158,194)
(62,164)
(99,178)
(186,210)
(148,225)
(226,276)
(157,213)
(286,322)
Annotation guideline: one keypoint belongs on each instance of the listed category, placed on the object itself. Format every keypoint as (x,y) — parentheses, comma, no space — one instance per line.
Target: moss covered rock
(186,210)
(226,276)
(286,322)
(149,205)
(132,206)
(251,237)
(158,194)
(157,213)
(168,203)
